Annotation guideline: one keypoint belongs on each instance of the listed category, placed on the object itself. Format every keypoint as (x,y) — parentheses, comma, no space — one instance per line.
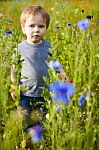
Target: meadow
(72,125)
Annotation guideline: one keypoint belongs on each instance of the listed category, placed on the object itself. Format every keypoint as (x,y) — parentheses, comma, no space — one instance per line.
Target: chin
(36,41)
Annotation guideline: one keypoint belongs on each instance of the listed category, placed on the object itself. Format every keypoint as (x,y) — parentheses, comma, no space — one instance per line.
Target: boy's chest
(34,55)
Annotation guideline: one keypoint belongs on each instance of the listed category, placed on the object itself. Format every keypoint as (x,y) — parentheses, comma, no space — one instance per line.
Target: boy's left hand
(63,75)
(13,92)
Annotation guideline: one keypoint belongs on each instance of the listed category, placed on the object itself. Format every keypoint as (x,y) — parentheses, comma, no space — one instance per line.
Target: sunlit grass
(65,126)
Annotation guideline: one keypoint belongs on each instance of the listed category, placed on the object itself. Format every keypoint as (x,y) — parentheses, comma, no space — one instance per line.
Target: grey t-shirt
(34,67)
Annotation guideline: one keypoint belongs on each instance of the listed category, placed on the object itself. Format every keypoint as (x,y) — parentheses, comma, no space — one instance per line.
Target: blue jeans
(30,103)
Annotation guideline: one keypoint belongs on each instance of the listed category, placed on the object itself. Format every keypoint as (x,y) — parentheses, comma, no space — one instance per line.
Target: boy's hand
(63,75)
(13,92)
(13,95)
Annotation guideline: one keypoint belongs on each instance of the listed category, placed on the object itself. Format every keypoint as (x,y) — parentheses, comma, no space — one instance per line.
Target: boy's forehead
(36,17)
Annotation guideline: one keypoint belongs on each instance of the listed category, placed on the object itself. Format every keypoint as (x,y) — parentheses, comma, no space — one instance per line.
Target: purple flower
(63,91)
(81,100)
(83,24)
(89,17)
(7,32)
(36,133)
(55,65)
(57,27)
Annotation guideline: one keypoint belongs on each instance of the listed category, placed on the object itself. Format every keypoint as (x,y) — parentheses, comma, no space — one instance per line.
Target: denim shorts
(31,103)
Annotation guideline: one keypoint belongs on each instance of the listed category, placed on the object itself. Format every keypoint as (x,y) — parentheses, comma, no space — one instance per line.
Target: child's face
(35,28)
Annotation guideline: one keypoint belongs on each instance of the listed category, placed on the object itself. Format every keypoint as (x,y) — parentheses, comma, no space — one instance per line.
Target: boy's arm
(13,80)
(54,64)
(13,76)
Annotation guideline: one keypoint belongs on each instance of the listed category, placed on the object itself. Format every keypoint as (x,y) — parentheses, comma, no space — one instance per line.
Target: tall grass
(73,127)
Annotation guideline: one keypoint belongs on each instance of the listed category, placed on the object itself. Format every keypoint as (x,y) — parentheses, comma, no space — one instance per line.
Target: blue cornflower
(81,100)
(55,65)
(61,97)
(69,24)
(70,90)
(83,24)
(97,21)
(36,133)
(7,32)
(57,86)
(63,91)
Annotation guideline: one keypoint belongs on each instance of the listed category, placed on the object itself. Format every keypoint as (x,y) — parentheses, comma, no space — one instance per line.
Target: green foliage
(73,127)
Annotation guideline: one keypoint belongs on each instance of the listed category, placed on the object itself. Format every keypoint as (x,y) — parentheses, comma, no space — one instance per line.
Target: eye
(32,25)
(41,26)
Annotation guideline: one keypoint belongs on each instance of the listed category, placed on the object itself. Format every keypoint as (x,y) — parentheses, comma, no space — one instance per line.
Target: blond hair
(33,10)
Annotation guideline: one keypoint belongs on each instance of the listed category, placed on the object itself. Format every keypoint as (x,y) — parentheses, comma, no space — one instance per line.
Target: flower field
(72,120)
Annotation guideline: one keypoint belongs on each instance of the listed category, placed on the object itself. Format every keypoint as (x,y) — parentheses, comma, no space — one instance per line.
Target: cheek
(43,31)
(28,31)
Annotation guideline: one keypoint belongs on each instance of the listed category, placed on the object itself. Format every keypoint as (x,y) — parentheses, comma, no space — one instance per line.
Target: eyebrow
(38,24)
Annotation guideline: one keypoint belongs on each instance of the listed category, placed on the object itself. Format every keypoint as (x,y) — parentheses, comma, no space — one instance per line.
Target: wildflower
(70,90)
(57,27)
(97,22)
(1,15)
(89,17)
(55,65)
(47,116)
(76,11)
(57,22)
(58,108)
(61,98)
(82,100)
(7,32)
(63,91)
(69,24)
(36,133)
(57,86)
(83,24)
(52,8)
(82,10)
(84,97)
(57,12)
(71,81)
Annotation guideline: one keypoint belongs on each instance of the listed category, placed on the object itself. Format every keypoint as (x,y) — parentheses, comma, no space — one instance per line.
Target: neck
(34,43)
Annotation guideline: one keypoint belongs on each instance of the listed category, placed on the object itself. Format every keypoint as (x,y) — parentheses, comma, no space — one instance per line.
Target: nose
(36,29)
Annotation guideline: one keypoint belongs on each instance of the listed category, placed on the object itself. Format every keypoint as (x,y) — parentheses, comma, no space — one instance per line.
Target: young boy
(34,52)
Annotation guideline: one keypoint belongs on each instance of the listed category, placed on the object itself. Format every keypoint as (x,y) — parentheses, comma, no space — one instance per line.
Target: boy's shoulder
(21,43)
(47,43)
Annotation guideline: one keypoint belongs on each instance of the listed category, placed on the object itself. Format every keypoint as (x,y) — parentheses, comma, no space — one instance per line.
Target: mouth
(36,36)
